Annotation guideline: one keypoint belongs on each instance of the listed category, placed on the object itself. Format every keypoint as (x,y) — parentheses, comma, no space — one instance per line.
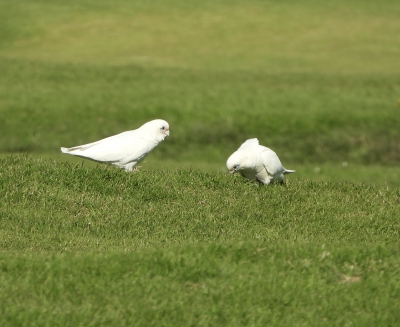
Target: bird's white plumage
(256,162)
(124,150)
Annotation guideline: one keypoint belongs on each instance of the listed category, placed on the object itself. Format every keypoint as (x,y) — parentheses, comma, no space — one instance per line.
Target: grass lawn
(183,243)
(97,246)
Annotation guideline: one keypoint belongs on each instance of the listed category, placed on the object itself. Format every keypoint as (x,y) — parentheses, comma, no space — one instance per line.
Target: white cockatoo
(256,162)
(124,150)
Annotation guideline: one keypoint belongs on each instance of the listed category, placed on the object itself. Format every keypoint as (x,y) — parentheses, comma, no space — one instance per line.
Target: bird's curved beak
(232,171)
(166,132)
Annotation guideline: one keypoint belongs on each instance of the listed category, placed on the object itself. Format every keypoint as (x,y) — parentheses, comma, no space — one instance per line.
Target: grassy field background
(183,243)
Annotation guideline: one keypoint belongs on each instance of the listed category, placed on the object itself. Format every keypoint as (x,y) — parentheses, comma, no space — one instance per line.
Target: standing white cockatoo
(257,162)
(124,150)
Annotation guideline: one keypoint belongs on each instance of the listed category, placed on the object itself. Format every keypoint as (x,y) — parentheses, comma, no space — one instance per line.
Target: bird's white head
(158,128)
(237,161)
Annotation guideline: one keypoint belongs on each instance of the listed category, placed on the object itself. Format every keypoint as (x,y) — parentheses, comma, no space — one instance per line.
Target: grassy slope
(153,207)
(89,245)
(317,83)
(83,246)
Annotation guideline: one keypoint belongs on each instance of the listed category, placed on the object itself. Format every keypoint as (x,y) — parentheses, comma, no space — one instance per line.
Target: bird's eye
(162,128)
(236,167)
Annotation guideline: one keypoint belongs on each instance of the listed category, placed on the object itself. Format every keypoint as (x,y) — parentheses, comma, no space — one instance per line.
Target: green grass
(97,246)
(147,209)
(327,110)
(304,118)
(246,284)
(306,36)
(183,243)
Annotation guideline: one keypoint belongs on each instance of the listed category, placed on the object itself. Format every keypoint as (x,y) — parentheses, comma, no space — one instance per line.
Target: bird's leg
(130,167)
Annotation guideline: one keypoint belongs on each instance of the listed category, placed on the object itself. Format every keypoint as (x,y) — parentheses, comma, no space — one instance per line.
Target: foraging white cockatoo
(256,162)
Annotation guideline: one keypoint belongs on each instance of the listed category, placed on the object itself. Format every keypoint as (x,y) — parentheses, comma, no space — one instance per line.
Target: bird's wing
(270,161)
(251,143)
(126,146)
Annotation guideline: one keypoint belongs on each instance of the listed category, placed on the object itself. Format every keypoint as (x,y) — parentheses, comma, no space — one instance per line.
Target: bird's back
(126,146)
(270,160)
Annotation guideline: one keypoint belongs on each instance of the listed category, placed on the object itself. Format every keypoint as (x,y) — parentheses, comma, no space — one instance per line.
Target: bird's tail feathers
(288,171)
(77,148)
